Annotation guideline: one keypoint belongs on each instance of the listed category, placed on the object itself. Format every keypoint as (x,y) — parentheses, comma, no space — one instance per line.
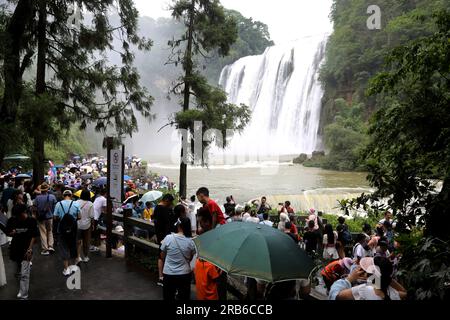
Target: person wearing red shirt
(286,208)
(211,205)
(294,229)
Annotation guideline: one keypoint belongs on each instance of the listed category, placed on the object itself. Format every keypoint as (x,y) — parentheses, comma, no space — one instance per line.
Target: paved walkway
(101,279)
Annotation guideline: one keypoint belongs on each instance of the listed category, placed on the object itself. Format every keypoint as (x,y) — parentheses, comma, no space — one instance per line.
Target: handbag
(186,259)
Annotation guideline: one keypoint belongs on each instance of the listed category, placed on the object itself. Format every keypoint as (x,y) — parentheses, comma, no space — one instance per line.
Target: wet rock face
(318,154)
(301,159)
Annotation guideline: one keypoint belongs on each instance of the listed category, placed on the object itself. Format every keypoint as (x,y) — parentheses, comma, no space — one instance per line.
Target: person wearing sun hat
(379,285)
(335,271)
(44,205)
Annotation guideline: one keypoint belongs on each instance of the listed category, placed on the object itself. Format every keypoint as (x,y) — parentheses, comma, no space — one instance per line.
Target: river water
(304,187)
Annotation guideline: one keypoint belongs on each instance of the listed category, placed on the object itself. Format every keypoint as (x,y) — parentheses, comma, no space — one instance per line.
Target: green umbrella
(254,250)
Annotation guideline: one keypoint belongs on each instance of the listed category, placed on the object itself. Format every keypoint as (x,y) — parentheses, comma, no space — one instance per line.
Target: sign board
(116,174)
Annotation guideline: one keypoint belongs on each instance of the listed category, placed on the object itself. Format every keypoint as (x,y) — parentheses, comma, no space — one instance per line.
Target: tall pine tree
(207,28)
(74,81)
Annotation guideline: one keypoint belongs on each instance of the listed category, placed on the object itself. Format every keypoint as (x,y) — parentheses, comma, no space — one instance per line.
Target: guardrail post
(127,231)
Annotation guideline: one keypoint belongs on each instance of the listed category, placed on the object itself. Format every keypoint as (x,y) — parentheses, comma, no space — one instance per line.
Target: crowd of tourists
(65,216)
(355,268)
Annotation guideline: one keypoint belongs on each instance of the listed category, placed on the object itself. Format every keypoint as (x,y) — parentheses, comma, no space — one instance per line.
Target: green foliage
(253,39)
(410,134)
(354,223)
(73,141)
(410,146)
(354,55)
(74,80)
(424,267)
(344,139)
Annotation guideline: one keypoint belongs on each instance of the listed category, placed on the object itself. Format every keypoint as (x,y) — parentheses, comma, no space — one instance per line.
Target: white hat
(368,265)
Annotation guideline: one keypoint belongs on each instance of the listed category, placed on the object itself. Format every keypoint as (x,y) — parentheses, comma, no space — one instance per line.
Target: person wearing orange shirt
(207,275)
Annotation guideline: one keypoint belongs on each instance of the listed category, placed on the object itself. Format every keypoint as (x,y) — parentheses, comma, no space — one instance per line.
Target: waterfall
(282,89)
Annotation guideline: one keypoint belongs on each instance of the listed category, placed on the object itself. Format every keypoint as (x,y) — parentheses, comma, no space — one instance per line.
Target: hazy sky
(287,19)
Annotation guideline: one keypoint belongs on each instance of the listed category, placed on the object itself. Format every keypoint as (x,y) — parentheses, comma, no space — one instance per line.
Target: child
(148,211)
(24,232)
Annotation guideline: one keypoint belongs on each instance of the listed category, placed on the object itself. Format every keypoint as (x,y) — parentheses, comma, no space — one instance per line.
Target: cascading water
(282,89)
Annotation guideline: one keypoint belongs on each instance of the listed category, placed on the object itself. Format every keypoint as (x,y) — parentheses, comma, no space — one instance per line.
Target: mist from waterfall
(282,89)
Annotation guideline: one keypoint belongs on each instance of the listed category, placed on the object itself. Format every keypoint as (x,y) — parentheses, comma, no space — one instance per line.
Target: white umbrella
(151,196)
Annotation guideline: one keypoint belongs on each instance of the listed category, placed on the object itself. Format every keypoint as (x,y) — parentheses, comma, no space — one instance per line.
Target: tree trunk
(188,65)
(38,154)
(13,46)
(438,219)
(12,73)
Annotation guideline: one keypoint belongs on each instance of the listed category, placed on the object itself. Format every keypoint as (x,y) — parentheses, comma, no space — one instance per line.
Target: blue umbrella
(100,182)
(126,178)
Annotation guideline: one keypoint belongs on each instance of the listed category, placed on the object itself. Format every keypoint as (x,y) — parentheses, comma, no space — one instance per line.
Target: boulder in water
(300,159)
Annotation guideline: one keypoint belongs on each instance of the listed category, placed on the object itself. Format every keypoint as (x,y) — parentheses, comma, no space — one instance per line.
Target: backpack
(347,236)
(68,223)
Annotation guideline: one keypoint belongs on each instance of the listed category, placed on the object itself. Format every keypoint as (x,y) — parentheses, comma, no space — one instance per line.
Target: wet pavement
(101,279)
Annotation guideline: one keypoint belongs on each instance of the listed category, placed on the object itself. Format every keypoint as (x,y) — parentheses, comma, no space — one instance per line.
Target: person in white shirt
(84,225)
(266,220)
(246,214)
(379,285)
(361,248)
(329,243)
(99,209)
(388,218)
(192,207)
(313,217)
(238,215)
(253,217)
(283,219)
(177,252)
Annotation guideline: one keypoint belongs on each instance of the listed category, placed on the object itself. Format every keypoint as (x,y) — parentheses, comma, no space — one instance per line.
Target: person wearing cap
(43,208)
(67,229)
(378,283)
(335,271)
